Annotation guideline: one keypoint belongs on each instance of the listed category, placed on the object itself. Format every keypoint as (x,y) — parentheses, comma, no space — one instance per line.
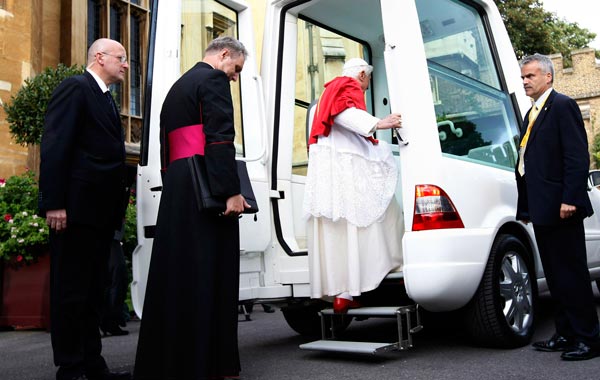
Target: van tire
(504,318)
(304,318)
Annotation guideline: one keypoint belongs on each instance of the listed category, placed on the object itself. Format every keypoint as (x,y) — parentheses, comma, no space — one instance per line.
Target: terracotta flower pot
(25,301)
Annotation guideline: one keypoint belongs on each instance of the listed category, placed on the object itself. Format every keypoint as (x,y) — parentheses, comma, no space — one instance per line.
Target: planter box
(25,301)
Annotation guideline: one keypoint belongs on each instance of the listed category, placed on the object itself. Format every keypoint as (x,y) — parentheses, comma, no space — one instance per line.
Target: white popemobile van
(449,68)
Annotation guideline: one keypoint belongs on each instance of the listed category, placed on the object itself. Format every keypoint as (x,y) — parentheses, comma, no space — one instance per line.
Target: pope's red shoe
(341,305)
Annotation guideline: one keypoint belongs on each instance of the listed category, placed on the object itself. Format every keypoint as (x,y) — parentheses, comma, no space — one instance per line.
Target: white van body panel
(149,182)
(255,231)
(443,268)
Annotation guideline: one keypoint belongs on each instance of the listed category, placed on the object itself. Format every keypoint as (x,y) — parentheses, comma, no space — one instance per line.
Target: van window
(321,54)
(201,22)
(476,121)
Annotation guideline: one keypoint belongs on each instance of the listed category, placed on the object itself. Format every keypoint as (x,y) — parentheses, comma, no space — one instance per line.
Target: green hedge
(26,109)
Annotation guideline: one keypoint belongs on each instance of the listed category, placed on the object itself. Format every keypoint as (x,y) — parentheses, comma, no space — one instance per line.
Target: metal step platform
(408,321)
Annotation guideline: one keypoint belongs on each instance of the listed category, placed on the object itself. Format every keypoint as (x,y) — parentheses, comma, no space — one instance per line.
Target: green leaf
(26,109)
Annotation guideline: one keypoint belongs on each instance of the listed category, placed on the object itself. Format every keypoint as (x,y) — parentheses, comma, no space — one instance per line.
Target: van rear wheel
(501,313)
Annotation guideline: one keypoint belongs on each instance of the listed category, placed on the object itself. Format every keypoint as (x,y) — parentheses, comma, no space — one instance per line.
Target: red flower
(7,217)
(19,258)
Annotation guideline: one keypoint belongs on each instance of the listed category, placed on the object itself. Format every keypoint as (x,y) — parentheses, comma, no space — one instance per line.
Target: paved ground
(269,350)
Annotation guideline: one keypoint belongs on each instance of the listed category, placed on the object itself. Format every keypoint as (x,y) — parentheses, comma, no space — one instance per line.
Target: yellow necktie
(533,114)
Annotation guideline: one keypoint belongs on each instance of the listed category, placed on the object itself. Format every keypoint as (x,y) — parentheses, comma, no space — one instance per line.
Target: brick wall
(29,31)
(582,83)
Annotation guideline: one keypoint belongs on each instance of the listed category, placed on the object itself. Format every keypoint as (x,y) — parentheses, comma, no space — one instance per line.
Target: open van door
(179,34)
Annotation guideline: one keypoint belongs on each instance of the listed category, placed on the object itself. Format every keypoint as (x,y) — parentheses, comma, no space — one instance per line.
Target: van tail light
(434,210)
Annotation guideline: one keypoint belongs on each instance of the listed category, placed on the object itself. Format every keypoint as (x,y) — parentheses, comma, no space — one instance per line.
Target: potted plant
(23,234)
(23,255)
(24,266)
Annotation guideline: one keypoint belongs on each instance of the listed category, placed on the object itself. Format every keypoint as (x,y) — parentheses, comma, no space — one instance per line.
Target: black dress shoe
(556,343)
(580,351)
(107,375)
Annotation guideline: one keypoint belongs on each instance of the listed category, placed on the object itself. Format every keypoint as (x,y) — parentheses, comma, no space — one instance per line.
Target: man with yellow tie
(551,176)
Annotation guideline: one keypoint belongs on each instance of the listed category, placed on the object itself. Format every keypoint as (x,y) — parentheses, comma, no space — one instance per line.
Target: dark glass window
(115,23)
(135,70)
(125,21)
(476,121)
(115,34)
(93,32)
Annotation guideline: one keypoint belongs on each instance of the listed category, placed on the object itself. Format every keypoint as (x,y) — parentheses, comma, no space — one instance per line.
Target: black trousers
(563,254)
(116,292)
(78,282)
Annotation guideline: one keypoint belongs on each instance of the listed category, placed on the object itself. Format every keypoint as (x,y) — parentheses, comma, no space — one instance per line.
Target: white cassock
(355,225)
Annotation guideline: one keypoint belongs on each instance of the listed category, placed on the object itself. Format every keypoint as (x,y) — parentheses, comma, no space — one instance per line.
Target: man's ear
(224,53)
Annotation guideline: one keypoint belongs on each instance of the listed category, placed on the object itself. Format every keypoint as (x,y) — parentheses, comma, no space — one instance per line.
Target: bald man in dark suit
(82,185)
(552,176)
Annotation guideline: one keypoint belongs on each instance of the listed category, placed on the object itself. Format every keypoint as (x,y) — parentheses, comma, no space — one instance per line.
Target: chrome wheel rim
(516,293)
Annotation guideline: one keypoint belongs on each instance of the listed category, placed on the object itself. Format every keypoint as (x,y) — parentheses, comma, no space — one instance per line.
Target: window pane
(203,21)
(476,121)
(115,23)
(454,37)
(135,67)
(320,58)
(116,34)
(93,32)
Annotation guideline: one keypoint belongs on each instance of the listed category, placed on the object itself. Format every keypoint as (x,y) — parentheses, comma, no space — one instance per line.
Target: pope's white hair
(354,66)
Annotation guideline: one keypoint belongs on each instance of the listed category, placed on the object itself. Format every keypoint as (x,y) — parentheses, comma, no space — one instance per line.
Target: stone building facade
(582,83)
(35,34)
(29,41)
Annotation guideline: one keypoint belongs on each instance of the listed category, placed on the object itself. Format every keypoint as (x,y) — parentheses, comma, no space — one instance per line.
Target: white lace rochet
(348,185)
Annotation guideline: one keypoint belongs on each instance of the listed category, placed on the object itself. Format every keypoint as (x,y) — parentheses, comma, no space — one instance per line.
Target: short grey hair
(544,61)
(225,42)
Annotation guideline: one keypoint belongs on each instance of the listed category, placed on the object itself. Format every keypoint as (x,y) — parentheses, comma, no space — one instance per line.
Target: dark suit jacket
(556,163)
(82,165)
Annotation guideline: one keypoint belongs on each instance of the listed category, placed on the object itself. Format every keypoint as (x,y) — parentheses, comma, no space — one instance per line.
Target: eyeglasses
(121,58)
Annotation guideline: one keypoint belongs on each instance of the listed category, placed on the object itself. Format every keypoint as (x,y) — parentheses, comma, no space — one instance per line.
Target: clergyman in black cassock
(189,318)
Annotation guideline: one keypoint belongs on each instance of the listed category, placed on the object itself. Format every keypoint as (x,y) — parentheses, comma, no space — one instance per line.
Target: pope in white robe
(355,224)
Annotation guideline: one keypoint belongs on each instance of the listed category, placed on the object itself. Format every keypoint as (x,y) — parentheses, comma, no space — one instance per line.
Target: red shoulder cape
(340,93)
